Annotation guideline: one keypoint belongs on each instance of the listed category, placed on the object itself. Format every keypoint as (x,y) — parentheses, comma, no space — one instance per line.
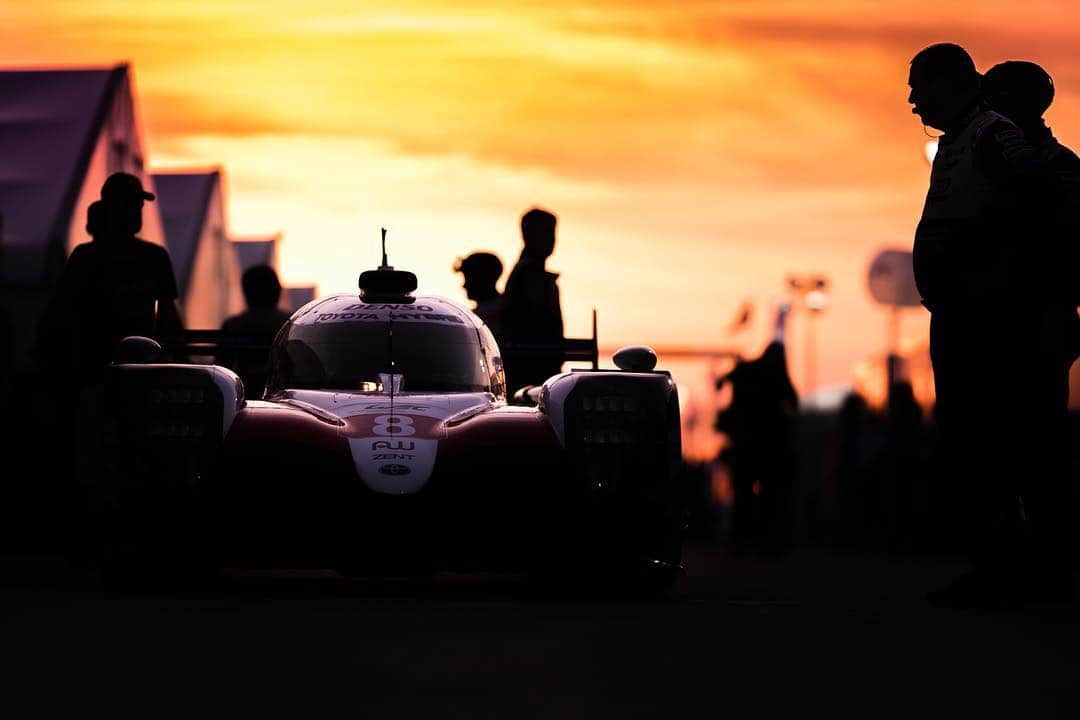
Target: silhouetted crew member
(964,246)
(1023,91)
(482,271)
(112,287)
(531,309)
(761,424)
(260,322)
(115,286)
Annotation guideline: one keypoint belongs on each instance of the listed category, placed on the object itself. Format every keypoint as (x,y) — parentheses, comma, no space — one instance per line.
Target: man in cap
(112,287)
(532,312)
(1048,258)
(481,271)
(115,286)
(964,249)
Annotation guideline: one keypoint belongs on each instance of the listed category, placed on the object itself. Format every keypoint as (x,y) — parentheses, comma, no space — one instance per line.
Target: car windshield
(431,357)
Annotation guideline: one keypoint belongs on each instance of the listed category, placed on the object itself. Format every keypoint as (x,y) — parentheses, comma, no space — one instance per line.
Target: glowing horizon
(695,154)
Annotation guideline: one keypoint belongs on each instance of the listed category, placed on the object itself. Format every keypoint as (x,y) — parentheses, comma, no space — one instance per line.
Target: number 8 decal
(399,425)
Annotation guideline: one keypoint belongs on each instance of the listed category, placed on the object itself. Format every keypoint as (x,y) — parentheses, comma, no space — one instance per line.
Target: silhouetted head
(1020,90)
(261,286)
(123,196)
(96,220)
(944,85)
(538,233)
(481,270)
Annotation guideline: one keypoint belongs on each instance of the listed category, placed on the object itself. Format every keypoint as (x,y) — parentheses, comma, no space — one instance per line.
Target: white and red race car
(385,444)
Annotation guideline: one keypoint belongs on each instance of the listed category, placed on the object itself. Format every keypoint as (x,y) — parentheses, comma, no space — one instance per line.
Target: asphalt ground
(813,635)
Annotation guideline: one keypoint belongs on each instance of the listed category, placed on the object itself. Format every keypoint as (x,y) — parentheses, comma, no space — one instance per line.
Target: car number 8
(394,425)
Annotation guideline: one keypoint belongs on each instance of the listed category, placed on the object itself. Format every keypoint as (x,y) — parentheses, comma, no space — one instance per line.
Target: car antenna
(385,265)
(390,330)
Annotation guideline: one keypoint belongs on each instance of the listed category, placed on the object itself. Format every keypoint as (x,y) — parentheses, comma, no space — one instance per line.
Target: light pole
(811,291)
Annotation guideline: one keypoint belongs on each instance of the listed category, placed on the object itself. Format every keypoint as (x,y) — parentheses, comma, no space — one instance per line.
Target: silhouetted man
(1023,91)
(260,323)
(761,424)
(531,310)
(112,287)
(482,270)
(115,286)
(965,245)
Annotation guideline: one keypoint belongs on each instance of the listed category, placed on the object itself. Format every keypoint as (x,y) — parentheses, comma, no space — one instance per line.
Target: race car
(385,444)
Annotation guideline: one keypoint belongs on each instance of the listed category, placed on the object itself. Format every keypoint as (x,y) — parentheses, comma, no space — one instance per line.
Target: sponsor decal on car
(394,453)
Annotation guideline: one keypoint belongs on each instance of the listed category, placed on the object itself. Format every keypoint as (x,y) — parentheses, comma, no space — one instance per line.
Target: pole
(892,360)
(811,353)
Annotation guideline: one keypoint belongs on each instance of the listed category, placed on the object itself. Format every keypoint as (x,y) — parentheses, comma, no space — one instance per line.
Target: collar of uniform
(965,121)
(534,265)
(1038,132)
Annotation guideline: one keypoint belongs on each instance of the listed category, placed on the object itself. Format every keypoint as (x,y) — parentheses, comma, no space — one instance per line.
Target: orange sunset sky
(695,152)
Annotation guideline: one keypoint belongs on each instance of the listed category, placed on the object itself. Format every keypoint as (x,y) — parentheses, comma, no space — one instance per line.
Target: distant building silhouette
(207,268)
(83,128)
(256,250)
(295,297)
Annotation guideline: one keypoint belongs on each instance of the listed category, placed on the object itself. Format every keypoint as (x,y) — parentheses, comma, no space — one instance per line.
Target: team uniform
(532,313)
(109,289)
(977,265)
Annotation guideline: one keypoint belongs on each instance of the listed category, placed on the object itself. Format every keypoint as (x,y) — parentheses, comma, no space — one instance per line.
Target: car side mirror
(137,350)
(635,358)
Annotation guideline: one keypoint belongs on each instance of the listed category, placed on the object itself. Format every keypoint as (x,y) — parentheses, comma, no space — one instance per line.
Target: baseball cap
(123,186)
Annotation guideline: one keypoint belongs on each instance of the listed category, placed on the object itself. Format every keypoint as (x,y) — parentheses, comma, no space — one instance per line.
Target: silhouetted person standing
(259,323)
(964,249)
(531,310)
(482,271)
(112,287)
(761,422)
(115,286)
(1023,91)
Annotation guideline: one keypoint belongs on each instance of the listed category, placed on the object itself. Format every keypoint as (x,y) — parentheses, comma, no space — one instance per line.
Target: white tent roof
(49,122)
(298,296)
(256,251)
(184,200)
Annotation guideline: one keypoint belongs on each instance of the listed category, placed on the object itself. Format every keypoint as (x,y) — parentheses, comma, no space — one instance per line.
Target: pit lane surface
(812,635)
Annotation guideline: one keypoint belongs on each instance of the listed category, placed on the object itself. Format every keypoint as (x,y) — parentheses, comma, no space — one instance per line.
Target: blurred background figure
(481,271)
(852,470)
(532,312)
(906,490)
(761,423)
(258,324)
